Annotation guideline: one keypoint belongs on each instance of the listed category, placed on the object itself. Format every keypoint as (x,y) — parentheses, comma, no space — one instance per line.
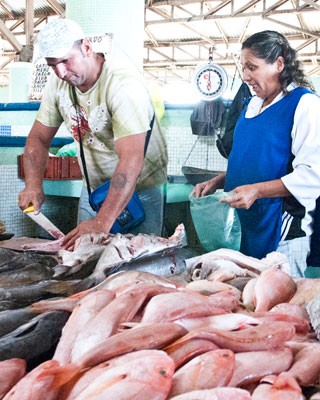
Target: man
(114,114)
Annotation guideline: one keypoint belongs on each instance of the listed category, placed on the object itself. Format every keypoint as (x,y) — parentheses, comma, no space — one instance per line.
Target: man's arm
(130,151)
(35,161)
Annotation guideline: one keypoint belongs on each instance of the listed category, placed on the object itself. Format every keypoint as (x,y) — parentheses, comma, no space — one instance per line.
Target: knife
(44,222)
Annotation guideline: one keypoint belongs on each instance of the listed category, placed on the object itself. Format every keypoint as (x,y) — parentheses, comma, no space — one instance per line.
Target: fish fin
(61,374)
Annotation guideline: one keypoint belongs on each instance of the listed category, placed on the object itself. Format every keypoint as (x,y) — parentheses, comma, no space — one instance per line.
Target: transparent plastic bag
(217,224)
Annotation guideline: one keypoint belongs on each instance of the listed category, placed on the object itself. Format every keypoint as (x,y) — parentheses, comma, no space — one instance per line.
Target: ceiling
(180,33)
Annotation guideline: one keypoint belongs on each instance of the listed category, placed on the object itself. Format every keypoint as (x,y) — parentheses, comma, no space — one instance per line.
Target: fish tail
(61,374)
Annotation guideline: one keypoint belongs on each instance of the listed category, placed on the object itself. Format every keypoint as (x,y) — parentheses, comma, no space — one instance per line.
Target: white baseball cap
(56,39)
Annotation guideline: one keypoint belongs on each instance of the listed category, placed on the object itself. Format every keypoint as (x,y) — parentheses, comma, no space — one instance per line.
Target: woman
(274,166)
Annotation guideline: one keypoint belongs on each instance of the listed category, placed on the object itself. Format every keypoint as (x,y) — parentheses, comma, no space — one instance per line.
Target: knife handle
(29,209)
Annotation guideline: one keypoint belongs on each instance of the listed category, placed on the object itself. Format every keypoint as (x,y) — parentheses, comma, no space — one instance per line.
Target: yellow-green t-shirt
(118,105)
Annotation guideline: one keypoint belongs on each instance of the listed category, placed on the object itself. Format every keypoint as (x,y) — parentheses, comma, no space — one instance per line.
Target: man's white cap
(56,39)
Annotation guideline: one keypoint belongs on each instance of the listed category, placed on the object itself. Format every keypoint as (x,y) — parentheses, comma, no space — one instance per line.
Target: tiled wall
(62,210)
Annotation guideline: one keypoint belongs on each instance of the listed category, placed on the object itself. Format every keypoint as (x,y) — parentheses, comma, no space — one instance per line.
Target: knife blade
(44,222)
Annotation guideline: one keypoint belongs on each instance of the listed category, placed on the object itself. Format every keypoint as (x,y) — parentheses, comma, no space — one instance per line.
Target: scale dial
(210,81)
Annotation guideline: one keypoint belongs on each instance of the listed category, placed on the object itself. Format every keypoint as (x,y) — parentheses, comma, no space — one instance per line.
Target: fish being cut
(124,248)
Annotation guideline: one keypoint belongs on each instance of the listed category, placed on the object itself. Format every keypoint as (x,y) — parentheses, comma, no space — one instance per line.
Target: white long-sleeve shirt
(304,181)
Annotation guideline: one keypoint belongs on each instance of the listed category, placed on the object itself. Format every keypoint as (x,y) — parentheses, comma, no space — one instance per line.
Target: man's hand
(93,225)
(31,197)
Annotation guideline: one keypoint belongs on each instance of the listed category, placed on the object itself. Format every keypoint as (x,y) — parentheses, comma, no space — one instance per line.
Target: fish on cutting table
(124,248)
(86,309)
(50,246)
(252,366)
(272,287)
(206,371)
(11,371)
(34,338)
(222,393)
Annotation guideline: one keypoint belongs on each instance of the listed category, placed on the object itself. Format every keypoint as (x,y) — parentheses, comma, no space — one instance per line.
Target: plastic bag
(217,224)
(68,150)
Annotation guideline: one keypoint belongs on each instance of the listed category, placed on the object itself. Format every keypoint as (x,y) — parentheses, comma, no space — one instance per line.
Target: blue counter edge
(20,141)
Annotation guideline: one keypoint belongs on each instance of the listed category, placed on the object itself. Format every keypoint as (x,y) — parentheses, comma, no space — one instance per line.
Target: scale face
(210,81)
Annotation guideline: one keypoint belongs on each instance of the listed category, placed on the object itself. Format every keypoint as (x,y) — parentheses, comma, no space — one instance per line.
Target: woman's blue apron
(261,152)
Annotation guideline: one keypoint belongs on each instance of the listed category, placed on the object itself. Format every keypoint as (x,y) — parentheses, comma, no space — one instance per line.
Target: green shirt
(118,105)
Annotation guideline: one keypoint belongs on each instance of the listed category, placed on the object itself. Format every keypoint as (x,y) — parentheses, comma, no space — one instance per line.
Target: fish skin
(34,338)
(206,371)
(139,378)
(226,322)
(183,352)
(6,255)
(266,336)
(21,260)
(35,291)
(272,287)
(72,389)
(85,310)
(306,365)
(215,394)
(179,304)
(11,371)
(110,319)
(12,319)
(205,287)
(153,336)
(26,275)
(282,387)
(254,365)
(34,387)
(125,248)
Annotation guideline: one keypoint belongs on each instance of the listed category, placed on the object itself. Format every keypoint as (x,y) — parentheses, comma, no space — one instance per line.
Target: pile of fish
(229,328)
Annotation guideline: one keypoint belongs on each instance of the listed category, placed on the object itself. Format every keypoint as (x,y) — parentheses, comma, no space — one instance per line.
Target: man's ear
(86,47)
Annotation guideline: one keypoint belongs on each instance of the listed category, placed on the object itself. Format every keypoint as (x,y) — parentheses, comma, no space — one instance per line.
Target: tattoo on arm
(119,180)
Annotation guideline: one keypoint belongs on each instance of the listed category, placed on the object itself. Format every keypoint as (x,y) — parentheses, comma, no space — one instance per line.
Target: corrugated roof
(179,33)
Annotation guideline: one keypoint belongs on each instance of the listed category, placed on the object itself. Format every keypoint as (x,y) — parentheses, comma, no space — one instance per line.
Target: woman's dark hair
(269,45)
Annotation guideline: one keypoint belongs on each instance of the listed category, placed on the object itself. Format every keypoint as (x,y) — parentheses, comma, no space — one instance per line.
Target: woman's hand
(209,187)
(242,196)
